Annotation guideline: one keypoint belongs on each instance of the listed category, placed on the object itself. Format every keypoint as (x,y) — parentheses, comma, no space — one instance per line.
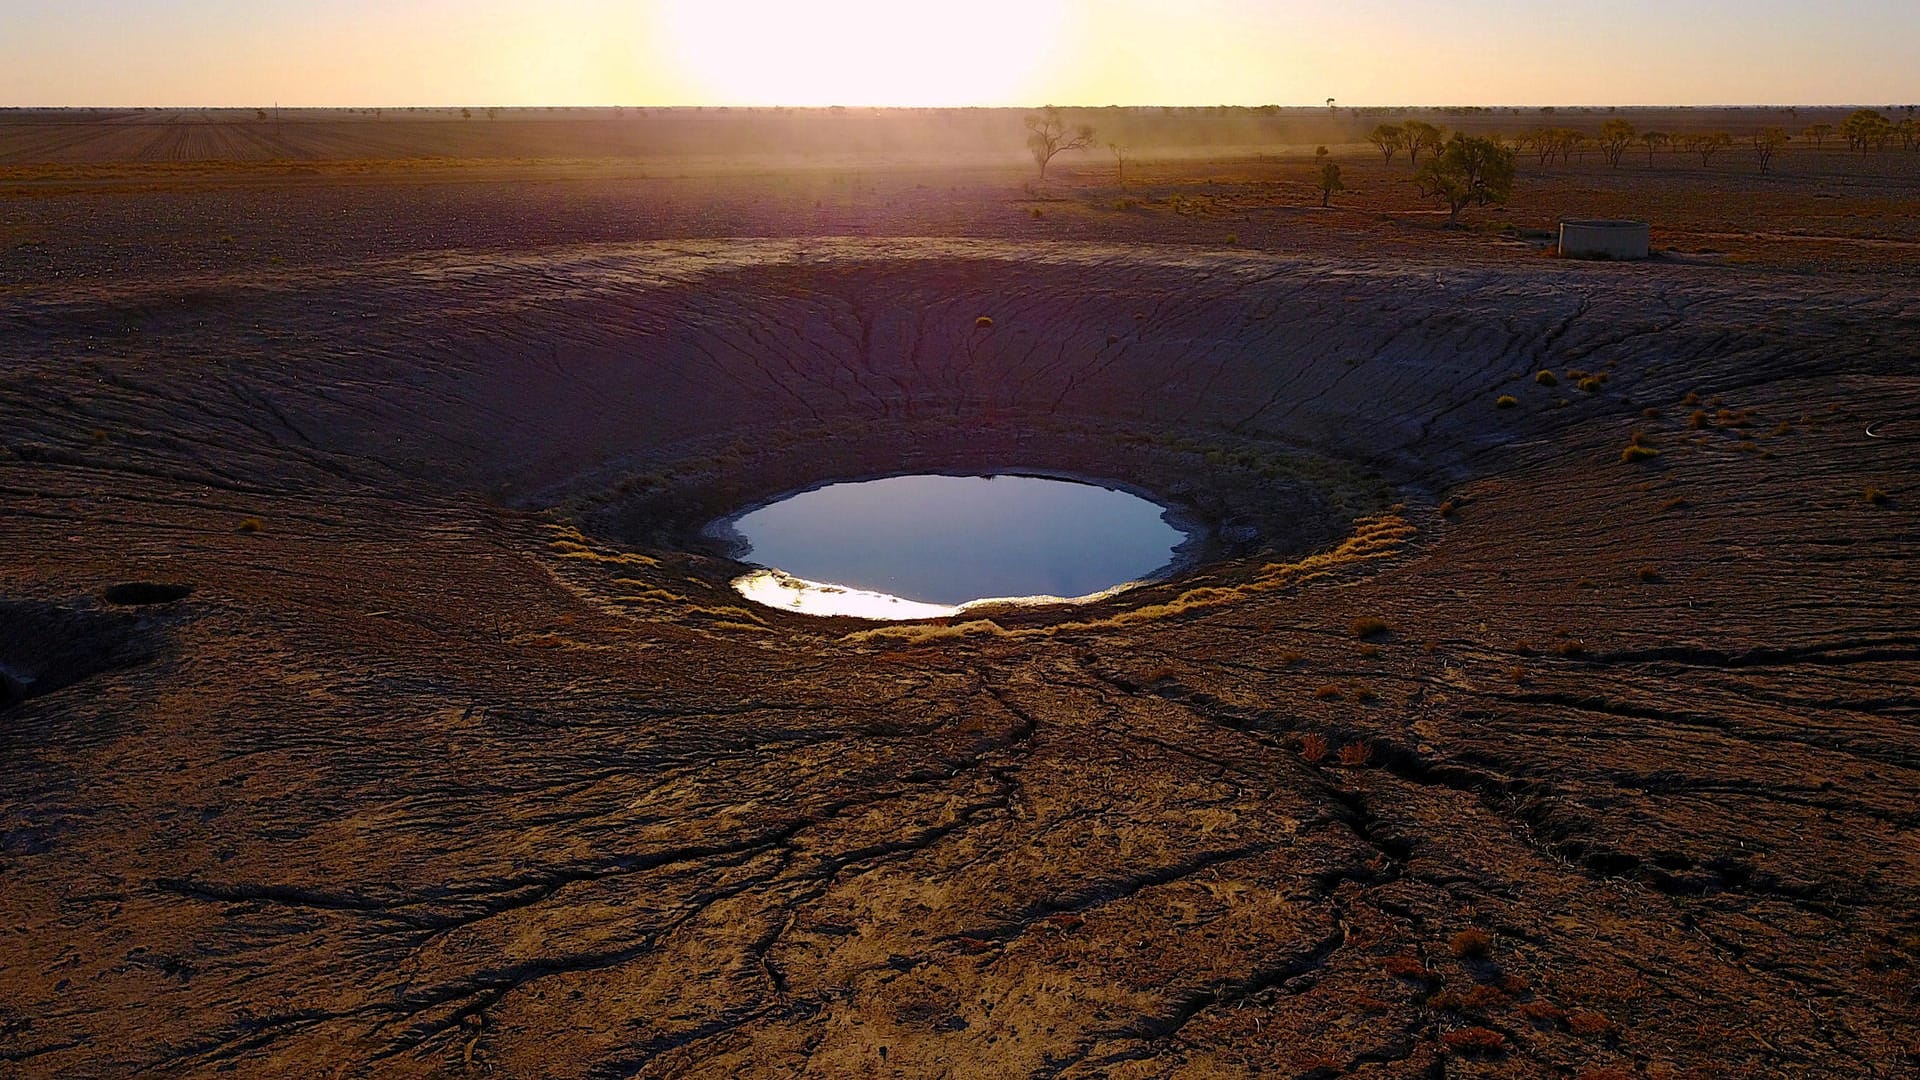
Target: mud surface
(1486,752)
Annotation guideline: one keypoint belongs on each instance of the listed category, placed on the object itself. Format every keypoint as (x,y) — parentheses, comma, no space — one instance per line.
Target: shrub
(1546,378)
(1448,507)
(1582,1022)
(1313,747)
(1474,1041)
(1328,692)
(1406,967)
(1591,384)
(253,525)
(1233,238)
(1876,496)
(1368,627)
(1636,452)
(1363,693)
(1483,998)
(1570,648)
(1505,401)
(1354,755)
(1036,213)
(983,322)
(1674,503)
(1517,674)
(1471,942)
(1543,1012)
(1648,574)
(1691,399)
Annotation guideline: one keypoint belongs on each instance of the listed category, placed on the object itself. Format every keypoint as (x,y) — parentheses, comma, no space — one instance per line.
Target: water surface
(942,541)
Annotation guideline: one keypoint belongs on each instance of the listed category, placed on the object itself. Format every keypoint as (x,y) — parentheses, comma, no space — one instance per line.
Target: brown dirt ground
(451,762)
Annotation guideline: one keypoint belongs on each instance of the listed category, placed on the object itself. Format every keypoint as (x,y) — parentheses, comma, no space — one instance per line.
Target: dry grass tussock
(922,633)
(1372,538)
(572,545)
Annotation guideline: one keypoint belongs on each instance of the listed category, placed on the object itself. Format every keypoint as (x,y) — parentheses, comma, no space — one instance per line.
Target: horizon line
(1312,107)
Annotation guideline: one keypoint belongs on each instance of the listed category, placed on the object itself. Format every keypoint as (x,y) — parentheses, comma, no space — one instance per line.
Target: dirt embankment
(1527,753)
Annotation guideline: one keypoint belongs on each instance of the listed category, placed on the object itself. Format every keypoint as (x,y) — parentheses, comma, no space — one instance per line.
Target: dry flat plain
(369,707)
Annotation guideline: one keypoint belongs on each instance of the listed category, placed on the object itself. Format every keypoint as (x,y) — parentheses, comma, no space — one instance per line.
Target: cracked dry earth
(452,762)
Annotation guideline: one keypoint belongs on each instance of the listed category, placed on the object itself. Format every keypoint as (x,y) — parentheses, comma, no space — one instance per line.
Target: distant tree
(1329,103)
(1615,137)
(1574,142)
(466,114)
(1321,152)
(1909,132)
(1329,182)
(1120,159)
(1768,143)
(1818,133)
(259,114)
(1422,136)
(1866,130)
(1552,144)
(492,112)
(1047,135)
(1710,143)
(1545,143)
(1654,140)
(1389,139)
(1468,171)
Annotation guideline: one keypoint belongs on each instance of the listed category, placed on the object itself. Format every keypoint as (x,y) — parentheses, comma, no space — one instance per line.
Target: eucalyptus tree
(1468,171)
(1048,136)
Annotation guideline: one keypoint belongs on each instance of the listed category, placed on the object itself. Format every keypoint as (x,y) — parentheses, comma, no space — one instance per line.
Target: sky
(975,52)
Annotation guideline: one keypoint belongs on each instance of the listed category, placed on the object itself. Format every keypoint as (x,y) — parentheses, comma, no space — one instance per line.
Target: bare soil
(367,711)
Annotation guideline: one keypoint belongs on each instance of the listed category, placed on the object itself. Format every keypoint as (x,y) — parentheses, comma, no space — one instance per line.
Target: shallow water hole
(930,545)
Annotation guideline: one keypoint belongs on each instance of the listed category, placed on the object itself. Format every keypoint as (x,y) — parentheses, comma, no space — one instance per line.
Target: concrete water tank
(1603,239)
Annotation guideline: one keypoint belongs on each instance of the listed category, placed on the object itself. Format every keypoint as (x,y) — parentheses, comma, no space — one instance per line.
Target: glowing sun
(862,52)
